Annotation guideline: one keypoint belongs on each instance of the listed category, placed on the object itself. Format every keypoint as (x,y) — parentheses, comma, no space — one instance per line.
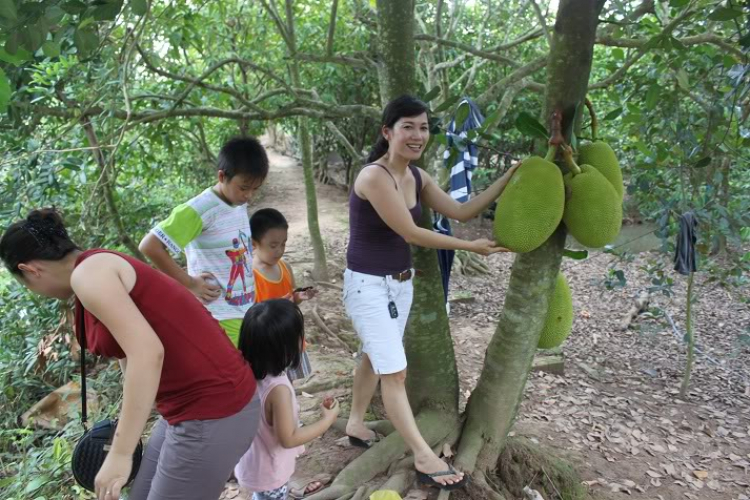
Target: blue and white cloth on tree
(460,180)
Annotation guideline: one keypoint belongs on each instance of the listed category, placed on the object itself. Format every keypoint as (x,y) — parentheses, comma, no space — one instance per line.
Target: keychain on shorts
(392,310)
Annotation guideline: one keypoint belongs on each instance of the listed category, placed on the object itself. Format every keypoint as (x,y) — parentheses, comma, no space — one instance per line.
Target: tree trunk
(320,266)
(397,68)
(433,377)
(494,404)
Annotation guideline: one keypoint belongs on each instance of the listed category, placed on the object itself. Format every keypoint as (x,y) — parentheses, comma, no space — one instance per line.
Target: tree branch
(332,28)
(345,60)
(271,9)
(519,74)
(542,21)
(468,48)
(688,41)
(356,156)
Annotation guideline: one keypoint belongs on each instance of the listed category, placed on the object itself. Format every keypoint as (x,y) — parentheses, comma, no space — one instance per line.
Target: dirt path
(615,411)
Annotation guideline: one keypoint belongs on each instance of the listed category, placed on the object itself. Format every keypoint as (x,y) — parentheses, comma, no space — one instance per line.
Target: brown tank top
(375,248)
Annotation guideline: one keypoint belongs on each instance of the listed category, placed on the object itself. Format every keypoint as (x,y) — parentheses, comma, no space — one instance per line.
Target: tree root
(314,386)
(330,333)
(524,464)
(377,459)
(469,264)
(382,427)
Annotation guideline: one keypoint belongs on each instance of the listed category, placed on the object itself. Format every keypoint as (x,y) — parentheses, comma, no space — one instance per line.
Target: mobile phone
(303,289)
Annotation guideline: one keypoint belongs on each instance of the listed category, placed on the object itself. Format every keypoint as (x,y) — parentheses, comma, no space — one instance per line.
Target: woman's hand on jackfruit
(484,246)
(505,178)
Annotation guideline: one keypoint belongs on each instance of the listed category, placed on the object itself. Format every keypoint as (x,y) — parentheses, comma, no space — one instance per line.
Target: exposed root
(330,333)
(314,386)
(360,494)
(524,464)
(479,488)
(469,264)
(382,427)
(378,458)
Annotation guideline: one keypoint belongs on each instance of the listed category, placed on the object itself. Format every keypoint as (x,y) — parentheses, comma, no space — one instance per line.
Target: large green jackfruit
(559,319)
(593,209)
(600,156)
(531,206)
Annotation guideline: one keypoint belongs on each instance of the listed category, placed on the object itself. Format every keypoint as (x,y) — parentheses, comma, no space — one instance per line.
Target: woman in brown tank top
(384,207)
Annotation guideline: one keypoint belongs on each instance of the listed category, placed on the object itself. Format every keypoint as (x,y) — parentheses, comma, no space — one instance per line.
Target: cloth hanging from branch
(461,156)
(684,255)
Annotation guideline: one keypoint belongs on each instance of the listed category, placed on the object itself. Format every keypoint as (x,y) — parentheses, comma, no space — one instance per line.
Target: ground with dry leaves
(615,412)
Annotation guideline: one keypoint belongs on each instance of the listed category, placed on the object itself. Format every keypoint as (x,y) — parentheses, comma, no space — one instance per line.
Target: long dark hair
(40,236)
(271,337)
(401,107)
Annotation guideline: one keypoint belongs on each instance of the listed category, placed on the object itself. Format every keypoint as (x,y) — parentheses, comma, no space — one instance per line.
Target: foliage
(161,85)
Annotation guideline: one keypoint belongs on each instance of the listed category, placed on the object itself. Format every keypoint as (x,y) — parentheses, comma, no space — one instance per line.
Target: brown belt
(406,275)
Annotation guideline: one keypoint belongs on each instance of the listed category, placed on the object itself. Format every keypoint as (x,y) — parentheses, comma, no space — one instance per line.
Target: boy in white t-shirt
(213,229)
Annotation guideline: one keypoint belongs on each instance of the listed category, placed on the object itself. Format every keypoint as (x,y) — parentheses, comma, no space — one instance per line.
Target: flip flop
(428,479)
(298,485)
(363,443)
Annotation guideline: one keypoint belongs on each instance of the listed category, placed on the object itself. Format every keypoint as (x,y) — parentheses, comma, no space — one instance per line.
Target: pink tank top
(267,465)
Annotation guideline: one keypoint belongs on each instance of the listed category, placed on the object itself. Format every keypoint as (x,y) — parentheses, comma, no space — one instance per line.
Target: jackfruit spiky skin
(593,209)
(600,156)
(559,319)
(531,206)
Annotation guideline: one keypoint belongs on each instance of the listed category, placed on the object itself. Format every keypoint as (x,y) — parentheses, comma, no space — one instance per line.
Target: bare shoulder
(100,266)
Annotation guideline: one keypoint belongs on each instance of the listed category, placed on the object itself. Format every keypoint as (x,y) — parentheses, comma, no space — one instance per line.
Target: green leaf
(54,14)
(107,10)
(618,54)
(643,148)
(8,10)
(5,91)
(703,162)
(6,481)
(652,96)
(432,94)
(75,7)
(576,254)
(51,49)
(724,14)
(32,38)
(447,104)
(35,484)
(86,40)
(678,3)
(612,114)
(17,59)
(530,126)
(682,79)
(139,7)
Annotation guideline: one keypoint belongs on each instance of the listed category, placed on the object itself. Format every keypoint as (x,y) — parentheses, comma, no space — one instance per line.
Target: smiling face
(408,136)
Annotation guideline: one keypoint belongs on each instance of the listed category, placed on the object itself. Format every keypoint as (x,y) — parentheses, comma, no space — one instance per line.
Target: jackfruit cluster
(559,320)
(588,200)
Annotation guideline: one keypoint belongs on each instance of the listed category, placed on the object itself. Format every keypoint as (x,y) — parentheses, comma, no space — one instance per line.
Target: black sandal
(363,443)
(428,479)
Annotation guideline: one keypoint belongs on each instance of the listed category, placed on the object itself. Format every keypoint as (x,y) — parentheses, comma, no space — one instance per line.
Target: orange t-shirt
(266,289)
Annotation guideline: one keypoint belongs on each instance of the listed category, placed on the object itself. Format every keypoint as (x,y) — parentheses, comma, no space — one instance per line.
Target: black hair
(264,220)
(40,236)
(401,107)
(243,156)
(271,337)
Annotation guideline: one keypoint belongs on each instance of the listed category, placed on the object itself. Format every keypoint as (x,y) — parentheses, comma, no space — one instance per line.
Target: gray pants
(193,459)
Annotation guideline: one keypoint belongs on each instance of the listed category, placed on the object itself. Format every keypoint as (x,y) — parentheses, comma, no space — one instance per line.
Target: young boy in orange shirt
(274,278)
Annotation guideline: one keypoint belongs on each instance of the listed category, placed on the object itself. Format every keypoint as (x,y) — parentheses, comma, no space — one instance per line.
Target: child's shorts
(277,494)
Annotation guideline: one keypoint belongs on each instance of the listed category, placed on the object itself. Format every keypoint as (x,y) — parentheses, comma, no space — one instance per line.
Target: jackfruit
(559,319)
(599,155)
(531,206)
(593,209)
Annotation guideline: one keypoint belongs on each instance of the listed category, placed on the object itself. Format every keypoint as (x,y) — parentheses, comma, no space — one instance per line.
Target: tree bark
(320,266)
(494,404)
(433,377)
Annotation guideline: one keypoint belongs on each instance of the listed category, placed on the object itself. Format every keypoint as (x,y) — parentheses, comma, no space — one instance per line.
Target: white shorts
(366,300)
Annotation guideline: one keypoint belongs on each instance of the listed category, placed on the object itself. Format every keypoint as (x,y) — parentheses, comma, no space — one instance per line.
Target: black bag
(92,448)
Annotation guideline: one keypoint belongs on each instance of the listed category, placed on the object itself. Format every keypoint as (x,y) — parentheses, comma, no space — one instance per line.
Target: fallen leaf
(700,474)
(653,474)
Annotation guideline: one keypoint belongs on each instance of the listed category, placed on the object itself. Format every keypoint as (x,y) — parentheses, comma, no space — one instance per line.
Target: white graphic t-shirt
(215,237)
